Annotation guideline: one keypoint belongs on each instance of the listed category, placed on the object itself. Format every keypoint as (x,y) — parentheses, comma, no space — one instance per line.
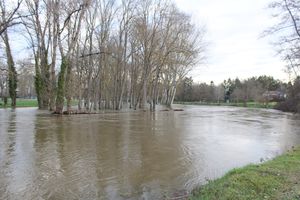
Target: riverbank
(275,179)
(270,105)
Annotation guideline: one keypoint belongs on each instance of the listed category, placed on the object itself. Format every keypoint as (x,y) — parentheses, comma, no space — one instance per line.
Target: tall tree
(38,26)
(70,30)
(12,73)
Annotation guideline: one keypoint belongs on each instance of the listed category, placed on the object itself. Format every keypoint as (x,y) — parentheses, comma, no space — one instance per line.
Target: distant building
(274,95)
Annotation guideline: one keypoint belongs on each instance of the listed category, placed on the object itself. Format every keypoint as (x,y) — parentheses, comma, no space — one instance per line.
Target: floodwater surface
(133,155)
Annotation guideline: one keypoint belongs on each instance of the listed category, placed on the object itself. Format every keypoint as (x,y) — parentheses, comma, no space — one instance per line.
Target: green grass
(255,105)
(270,105)
(275,179)
(21,103)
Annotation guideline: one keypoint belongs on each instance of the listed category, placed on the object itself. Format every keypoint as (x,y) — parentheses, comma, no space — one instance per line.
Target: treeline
(262,89)
(259,89)
(104,53)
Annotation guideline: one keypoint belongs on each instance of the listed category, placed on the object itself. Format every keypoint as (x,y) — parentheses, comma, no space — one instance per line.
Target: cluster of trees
(288,34)
(292,102)
(251,89)
(102,52)
(188,91)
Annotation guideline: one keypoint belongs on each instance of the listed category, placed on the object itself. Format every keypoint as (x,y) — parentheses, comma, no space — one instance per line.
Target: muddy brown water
(133,155)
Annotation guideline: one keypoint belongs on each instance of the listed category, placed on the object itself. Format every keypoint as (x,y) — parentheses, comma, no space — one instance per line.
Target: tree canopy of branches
(288,31)
(9,17)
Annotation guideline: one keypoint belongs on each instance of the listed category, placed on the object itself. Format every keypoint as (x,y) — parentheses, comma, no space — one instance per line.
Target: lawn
(21,103)
(275,179)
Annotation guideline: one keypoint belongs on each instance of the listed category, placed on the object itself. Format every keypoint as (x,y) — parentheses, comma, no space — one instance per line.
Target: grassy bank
(275,179)
(270,105)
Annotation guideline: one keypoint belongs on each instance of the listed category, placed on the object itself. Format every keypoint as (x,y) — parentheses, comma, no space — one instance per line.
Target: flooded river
(133,155)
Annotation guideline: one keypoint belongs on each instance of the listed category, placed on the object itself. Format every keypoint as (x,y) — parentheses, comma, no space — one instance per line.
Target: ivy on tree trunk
(38,86)
(12,73)
(60,95)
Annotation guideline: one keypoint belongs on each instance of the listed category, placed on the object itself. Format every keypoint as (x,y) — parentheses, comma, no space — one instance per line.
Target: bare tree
(70,30)
(38,26)
(12,73)
(288,32)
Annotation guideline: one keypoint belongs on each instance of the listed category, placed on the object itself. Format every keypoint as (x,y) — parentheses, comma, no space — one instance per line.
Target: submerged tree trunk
(12,73)
(53,64)
(60,95)
(37,84)
(68,87)
(45,77)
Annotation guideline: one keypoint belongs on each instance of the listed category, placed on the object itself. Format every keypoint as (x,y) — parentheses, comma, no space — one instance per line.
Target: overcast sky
(235,46)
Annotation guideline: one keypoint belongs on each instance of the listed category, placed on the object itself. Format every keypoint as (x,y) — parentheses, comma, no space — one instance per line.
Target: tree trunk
(61,86)
(68,87)
(12,73)
(45,81)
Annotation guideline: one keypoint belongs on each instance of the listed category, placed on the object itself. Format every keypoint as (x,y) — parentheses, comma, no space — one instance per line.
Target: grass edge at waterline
(275,179)
(270,105)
